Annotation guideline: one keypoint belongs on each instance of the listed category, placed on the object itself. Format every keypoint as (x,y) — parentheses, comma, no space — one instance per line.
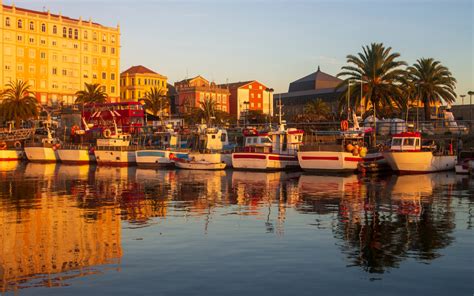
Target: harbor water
(88,230)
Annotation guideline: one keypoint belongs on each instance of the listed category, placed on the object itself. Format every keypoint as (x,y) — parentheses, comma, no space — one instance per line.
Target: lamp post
(270,91)
(246,112)
(462,99)
(470,93)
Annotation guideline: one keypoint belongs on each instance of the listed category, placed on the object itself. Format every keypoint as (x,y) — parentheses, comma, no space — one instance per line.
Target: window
(7,67)
(223,137)
(20,24)
(64,59)
(112,76)
(20,52)
(112,89)
(104,37)
(86,60)
(64,72)
(32,40)
(94,61)
(112,38)
(32,53)
(20,67)
(43,42)
(32,26)
(76,34)
(43,28)
(7,22)
(19,38)
(104,75)
(55,57)
(55,71)
(94,75)
(54,43)
(104,49)
(64,32)
(408,142)
(86,35)
(94,35)
(76,46)
(32,69)
(70,33)
(55,29)
(112,50)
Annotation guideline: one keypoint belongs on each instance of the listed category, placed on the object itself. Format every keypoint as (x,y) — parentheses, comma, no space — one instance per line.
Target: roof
(315,81)
(190,79)
(139,70)
(239,84)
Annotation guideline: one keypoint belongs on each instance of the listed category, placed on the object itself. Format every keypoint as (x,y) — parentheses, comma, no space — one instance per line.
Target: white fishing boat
(76,154)
(408,155)
(275,150)
(10,153)
(337,152)
(161,150)
(199,165)
(115,150)
(44,149)
(211,144)
(465,162)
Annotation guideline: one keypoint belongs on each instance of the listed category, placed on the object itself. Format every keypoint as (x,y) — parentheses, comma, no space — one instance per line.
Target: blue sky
(277,42)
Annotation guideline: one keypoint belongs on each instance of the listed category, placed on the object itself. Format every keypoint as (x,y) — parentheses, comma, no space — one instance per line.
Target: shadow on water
(61,222)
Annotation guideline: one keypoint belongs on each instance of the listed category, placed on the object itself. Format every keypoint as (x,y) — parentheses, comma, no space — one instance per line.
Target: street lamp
(470,93)
(462,99)
(246,112)
(270,91)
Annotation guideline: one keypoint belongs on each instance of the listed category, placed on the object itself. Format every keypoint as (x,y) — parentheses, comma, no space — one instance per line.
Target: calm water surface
(78,230)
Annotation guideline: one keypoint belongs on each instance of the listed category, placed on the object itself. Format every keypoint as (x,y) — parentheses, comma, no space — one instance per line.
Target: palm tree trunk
(426,106)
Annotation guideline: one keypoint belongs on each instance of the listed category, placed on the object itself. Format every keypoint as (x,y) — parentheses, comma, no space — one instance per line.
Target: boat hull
(75,156)
(11,155)
(212,157)
(200,166)
(331,161)
(115,157)
(157,158)
(41,154)
(419,162)
(263,161)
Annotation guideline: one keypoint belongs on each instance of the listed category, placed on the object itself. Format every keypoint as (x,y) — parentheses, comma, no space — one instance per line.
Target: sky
(277,42)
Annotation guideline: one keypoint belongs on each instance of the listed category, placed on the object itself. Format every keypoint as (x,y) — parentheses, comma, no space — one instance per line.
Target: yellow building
(137,80)
(56,55)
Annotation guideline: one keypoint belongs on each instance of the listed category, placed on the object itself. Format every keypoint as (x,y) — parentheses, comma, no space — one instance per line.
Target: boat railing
(71,146)
(322,147)
(117,148)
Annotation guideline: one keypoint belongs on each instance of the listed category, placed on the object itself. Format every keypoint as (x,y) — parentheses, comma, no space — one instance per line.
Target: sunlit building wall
(56,54)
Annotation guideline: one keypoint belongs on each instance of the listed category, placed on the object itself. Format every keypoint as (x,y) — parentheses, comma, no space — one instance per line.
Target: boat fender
(3,145)
(171,156)
(107,133)
(344,125)
(17,144)
(91,151)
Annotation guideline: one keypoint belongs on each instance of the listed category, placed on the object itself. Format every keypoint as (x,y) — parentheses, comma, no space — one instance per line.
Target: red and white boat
(337,152)
(274,150)
(408,155)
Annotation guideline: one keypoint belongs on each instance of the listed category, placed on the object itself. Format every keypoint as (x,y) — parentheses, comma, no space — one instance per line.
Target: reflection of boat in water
(7,166)
(324,185)
(267,178)
(109,173)
(74,171)
(42,170)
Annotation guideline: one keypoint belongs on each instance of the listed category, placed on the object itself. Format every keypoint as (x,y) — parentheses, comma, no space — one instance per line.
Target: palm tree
(207,109)
(378,71)
(156,101)
(433,83)
(316,110)
(18,103)
(92,94)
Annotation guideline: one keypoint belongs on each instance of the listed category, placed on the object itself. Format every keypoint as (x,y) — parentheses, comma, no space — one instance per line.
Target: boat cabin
(118,140)
(406,141)
(211,138)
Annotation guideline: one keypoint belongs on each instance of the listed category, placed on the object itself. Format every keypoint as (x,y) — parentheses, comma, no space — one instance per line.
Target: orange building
(190,92)
(249,95)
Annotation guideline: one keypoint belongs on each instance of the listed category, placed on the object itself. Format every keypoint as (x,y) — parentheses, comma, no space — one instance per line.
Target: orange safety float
(344,125)
(3,145)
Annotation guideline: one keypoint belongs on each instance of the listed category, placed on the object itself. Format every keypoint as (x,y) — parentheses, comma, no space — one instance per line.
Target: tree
(18,103)
(156,101)
(256,117)
(207,110)
(316,110)
(92,94)
(433,83)
(379,72)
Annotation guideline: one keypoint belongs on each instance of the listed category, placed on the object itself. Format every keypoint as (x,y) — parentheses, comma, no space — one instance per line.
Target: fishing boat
(211,144)
(11,142)
(160,150)
(274,150)
(408,154)
(193,164)
(43,149)
(115,149)
(79,151)
(337,152)
(465,162)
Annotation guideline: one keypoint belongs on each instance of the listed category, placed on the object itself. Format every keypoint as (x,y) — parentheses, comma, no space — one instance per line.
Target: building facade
(317,85)
(137,80)
(190,92)
(249,96)
(56,54)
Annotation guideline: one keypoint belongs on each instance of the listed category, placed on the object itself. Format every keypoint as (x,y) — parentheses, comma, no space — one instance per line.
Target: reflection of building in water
(400,220)
(261,191)
(53,236)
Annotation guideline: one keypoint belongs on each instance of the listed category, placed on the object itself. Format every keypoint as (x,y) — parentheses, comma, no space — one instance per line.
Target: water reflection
(62,221)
